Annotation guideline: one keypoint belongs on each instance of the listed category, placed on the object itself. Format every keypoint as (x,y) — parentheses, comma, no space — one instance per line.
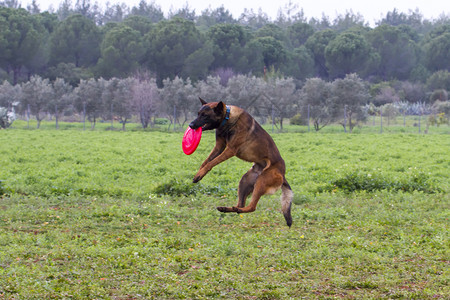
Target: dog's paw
(197,179)
(228,209)
(236,209)
(222,209)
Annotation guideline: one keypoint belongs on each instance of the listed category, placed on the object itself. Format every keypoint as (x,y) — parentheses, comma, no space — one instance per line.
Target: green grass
(113,215)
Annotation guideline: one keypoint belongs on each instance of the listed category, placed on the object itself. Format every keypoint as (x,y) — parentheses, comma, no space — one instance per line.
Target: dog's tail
(286,202)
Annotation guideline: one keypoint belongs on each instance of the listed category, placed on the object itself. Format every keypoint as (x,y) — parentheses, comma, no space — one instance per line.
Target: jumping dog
(238,134)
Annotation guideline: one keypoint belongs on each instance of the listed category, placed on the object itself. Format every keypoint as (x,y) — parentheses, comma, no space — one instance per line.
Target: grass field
(114,215)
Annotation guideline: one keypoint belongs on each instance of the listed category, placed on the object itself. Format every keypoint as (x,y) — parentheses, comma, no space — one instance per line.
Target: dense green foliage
(112,214)
(84,41)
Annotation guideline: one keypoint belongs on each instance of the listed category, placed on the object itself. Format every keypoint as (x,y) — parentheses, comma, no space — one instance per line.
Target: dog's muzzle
(193,125)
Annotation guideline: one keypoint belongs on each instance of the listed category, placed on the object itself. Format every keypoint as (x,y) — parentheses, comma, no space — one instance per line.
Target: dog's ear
(219,109)
(202,101)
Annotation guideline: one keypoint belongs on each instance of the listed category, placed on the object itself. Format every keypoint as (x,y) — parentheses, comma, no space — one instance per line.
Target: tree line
(347,101)
(82,41)
(126,61)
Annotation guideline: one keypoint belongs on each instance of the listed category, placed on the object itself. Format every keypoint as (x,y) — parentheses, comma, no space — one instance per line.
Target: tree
(315,101)
(9,95)
(121,51)
(395,18)
(397,51)
(9,99)
(437,49)
(178,99)
(348,21)
(412,92)
(386,95)
(138,23)
(122,99)
(46,23)
(69,72)
(150,11)
(185,13)
(253,20)
(6,118)
(439,80)
(84,8)
(75,40)
(299,33)
(272,30)
(265,52)
(36,94)
(299,64)
(61,98)
(290,14)
(197,63)
(228,45)
(114,13)
(10,3)
(33,8)
(116,99)
(169,44)
(65,9)
(282,95)
(317,44)
(145,98)
(20,39)
(88,99)
(347,53)
(390,111)
(246,92)
(347,96)
(212,17)
(211,89)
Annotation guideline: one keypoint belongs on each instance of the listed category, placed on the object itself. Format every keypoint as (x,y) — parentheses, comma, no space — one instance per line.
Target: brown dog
(238,134)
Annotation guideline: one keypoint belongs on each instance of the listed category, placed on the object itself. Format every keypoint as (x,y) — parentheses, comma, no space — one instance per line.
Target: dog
(238,134)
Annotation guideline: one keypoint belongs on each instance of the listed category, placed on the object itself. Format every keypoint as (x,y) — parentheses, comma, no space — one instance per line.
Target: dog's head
(210,115)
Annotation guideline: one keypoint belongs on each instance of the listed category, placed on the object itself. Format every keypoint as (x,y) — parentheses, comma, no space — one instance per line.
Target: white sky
(371,10)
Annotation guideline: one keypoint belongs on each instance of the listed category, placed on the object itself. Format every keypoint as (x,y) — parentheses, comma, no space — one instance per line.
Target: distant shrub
(360,181)
(439,95)
(438,119)
(6,117)
(161,121)
(442,108)
(298,120)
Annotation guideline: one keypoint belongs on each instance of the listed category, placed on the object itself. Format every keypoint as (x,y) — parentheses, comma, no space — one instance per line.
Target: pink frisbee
(191,139)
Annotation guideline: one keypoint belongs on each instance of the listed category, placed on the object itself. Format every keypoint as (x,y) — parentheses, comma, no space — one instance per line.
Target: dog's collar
(227,116)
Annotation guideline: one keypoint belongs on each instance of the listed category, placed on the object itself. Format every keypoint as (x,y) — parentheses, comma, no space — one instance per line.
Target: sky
(371,10)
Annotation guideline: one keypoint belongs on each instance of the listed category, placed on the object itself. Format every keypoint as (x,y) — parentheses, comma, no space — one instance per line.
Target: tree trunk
(16,72)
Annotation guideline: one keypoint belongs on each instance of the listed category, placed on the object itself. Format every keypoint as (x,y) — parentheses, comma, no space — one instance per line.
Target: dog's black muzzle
(195,124)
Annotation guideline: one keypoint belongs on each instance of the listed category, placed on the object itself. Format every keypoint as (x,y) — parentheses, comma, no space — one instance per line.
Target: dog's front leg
(226,154)
(216,151)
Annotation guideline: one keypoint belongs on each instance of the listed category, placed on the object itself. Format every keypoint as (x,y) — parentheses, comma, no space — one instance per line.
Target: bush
(161,121)
(6,117)
(371,182)
(443,108)
(298,120)
(439,95)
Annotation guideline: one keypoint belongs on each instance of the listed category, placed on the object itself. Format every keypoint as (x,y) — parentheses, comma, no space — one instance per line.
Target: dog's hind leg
(267,183)
(246,185)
